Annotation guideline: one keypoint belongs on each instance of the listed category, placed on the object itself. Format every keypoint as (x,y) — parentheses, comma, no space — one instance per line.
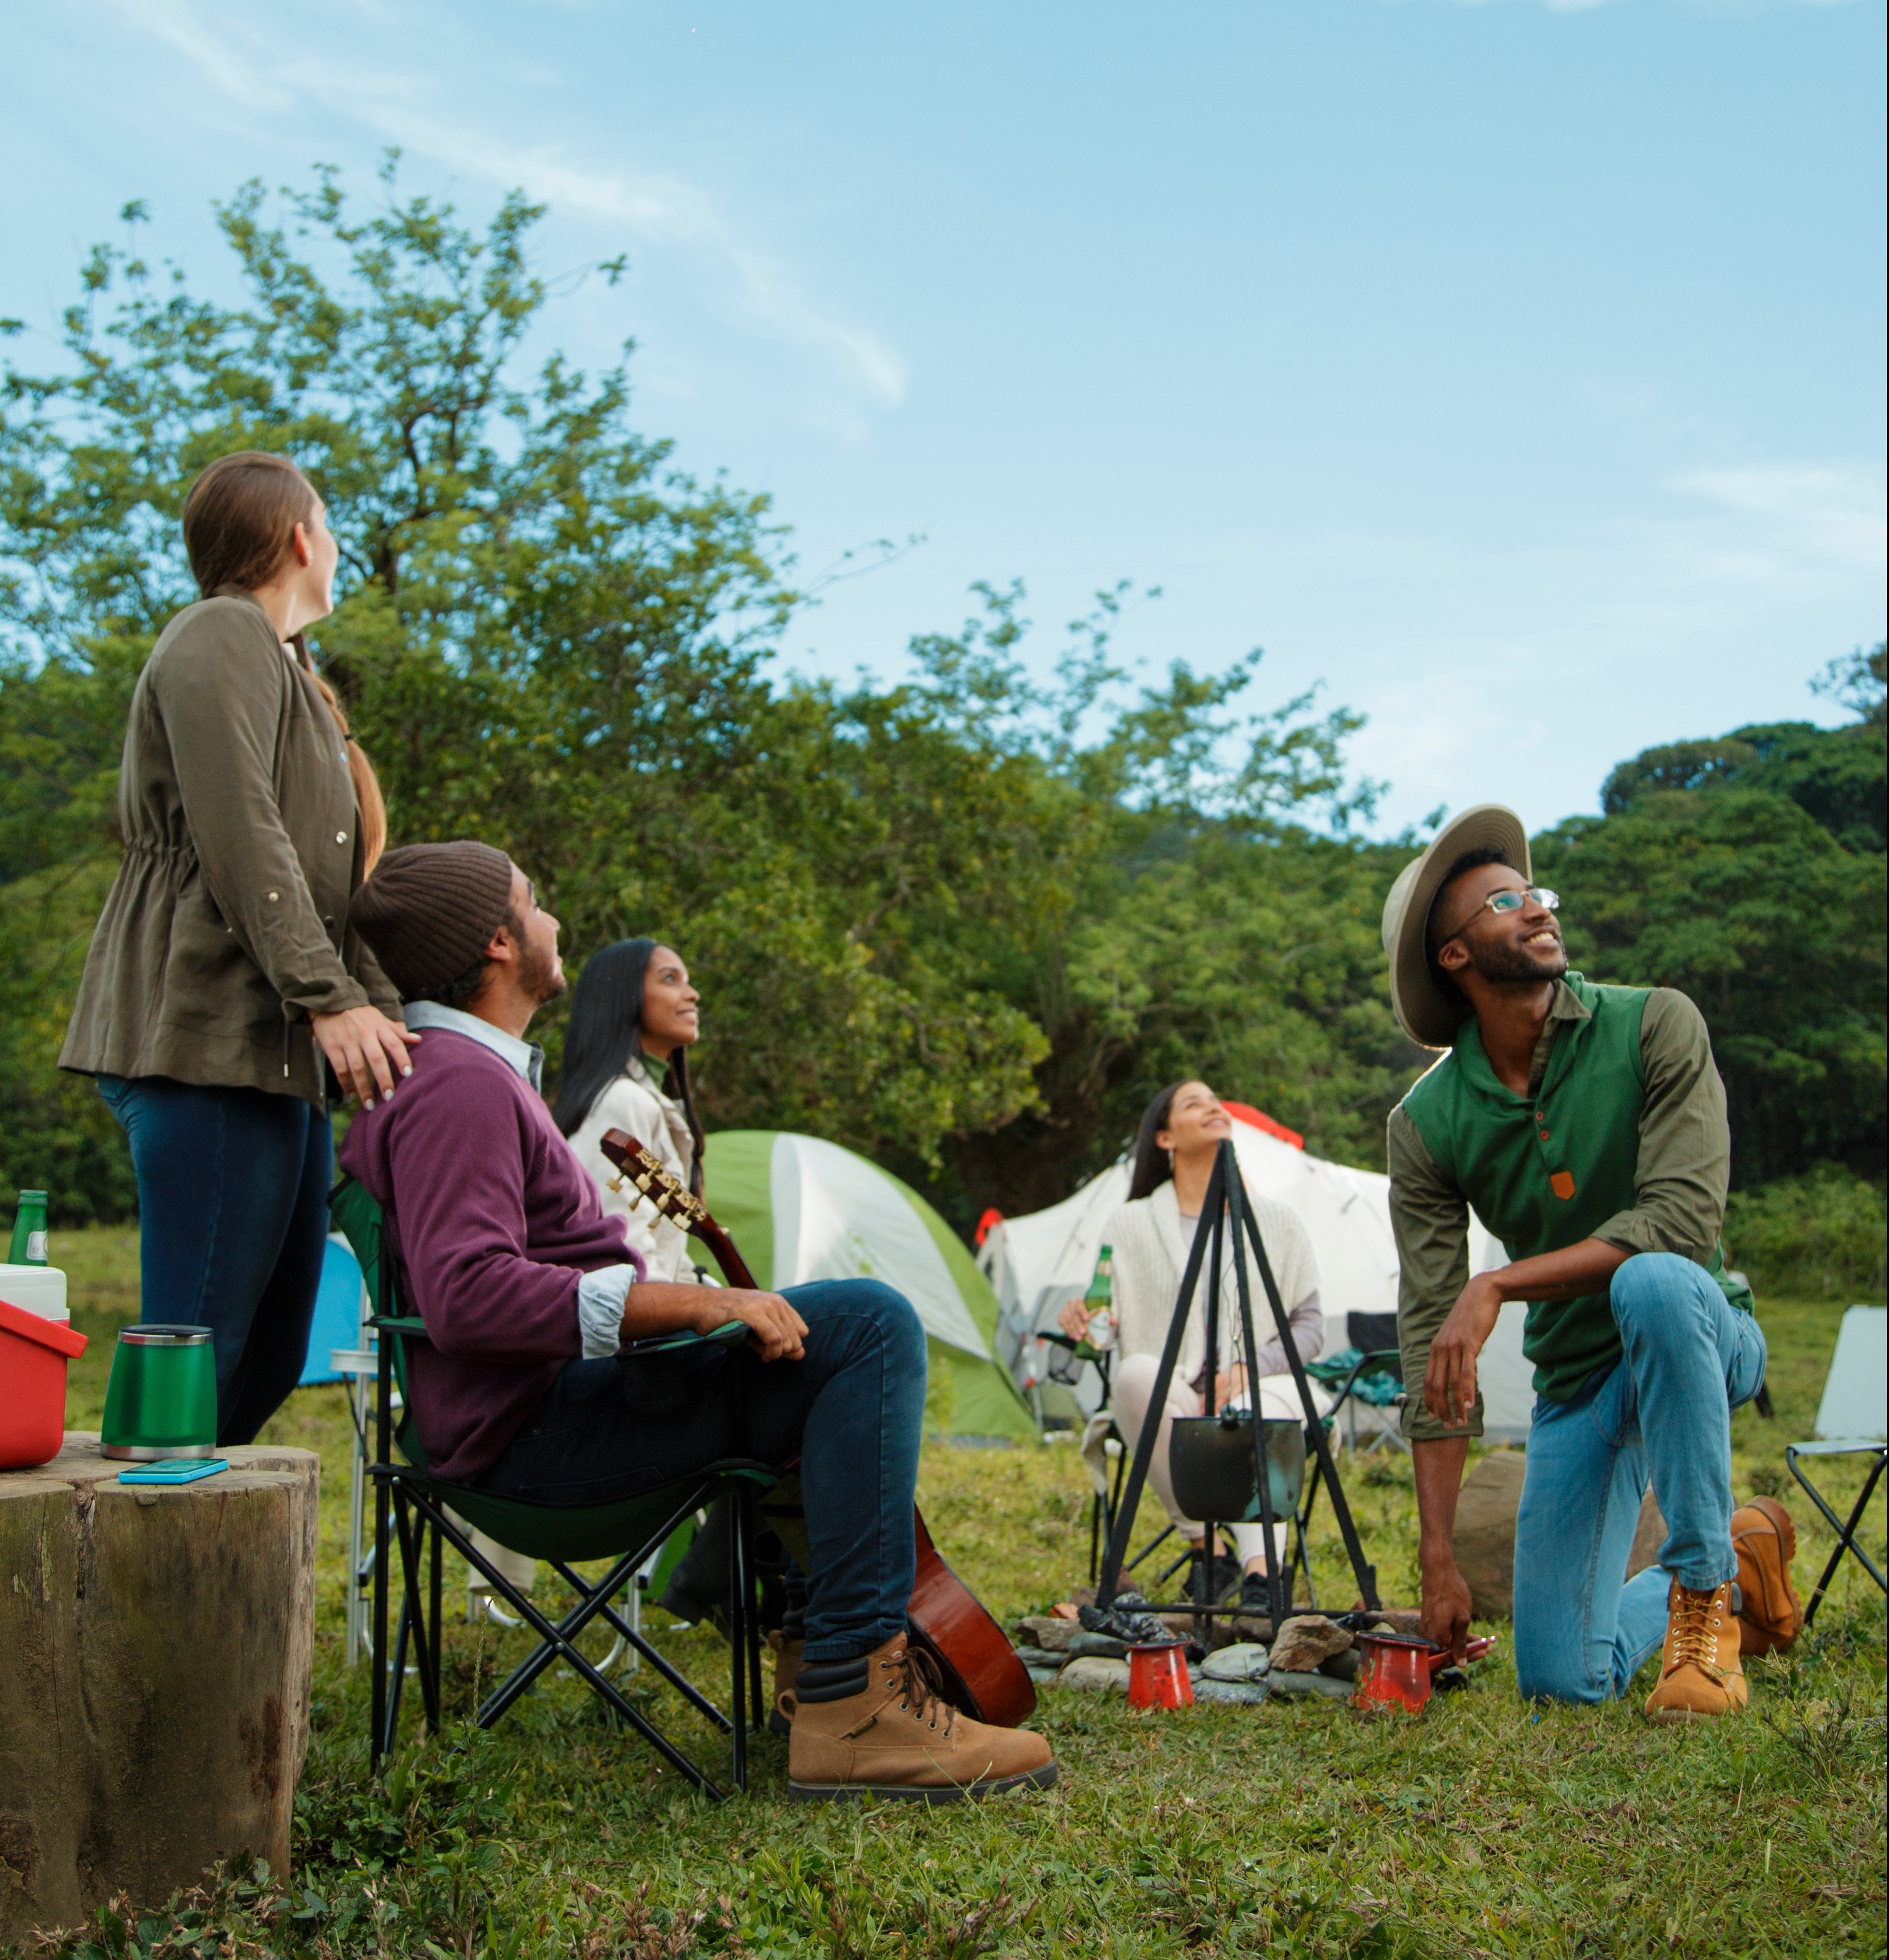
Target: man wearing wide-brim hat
(1586,1125)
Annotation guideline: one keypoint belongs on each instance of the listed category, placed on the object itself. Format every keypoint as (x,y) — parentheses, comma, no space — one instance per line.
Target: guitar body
(982,1676)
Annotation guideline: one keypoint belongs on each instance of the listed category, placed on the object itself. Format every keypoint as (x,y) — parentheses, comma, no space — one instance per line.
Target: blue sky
(1514,369)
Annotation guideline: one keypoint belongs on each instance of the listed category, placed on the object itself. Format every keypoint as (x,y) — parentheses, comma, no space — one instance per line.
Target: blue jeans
(1663,1411)
(852,1410)
(233,1222)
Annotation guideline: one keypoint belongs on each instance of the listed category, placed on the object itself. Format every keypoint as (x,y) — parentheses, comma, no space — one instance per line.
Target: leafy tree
(1837,776)
(1737,897)
(549,638)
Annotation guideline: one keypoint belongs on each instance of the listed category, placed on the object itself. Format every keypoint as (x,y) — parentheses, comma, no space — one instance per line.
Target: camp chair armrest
(729,1334)
(398,1323)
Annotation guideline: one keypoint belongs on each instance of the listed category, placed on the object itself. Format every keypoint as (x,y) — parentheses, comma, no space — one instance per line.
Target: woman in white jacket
(634,1018)
(1150,1237)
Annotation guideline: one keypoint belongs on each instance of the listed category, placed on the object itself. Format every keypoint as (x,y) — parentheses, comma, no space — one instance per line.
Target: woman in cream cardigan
(634,1018)
(1150,1237)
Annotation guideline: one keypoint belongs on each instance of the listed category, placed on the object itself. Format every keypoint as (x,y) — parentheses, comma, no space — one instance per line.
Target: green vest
(1547,1173)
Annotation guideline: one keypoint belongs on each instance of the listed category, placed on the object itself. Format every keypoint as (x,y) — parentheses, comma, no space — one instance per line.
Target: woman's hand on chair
(1073,1320)
(365,1050)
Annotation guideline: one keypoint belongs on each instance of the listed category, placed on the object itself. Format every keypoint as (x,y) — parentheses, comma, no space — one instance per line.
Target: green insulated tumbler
(161,1400)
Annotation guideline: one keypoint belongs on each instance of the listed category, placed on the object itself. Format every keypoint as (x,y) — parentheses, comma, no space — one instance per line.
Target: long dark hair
(1151,1167)
(239,522)
(604,1030)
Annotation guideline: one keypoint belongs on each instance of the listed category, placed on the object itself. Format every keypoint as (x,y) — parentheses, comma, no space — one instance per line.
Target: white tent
(1035,1263)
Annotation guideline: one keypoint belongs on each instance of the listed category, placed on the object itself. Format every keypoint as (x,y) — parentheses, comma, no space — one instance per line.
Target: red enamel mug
(1395,1669)
(1158,1676)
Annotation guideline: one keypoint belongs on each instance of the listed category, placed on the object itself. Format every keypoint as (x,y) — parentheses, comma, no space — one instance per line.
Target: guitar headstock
(645,1172)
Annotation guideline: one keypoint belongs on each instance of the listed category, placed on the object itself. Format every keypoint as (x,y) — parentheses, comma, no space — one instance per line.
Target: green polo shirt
(1621,1137)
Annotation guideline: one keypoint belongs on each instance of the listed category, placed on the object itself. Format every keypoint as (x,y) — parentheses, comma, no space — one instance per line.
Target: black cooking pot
(1210,1461)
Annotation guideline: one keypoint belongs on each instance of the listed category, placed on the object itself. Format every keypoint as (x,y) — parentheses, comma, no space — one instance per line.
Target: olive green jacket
(228,923)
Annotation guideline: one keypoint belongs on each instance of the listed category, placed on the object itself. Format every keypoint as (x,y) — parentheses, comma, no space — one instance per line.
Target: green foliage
(966,923)
(55,1135)
(548,638)
(1738,898)
(1819,1236)
(1836,776)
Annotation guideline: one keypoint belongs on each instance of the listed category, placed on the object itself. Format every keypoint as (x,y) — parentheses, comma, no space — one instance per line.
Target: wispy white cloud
(1835,513)
(740,278)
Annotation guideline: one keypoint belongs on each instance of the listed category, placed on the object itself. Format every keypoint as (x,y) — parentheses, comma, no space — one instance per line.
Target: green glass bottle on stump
(29,1230)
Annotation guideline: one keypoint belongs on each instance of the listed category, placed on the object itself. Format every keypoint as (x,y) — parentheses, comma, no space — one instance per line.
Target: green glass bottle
(29,1230)
(1100,1302)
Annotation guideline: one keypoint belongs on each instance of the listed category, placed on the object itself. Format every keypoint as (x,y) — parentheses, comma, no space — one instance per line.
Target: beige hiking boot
(1770,1616)
(1700,1672)
(787,1665)
(878,1727)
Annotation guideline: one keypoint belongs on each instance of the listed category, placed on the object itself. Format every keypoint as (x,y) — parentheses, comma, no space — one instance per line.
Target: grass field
(1482,1826)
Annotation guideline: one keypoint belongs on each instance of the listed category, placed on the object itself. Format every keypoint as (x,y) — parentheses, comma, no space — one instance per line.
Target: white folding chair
(1852,1420)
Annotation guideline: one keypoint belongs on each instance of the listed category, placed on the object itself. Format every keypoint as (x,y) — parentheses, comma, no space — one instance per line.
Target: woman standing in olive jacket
(223,983)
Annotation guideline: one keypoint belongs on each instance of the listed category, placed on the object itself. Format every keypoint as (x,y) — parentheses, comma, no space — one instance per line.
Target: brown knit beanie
(430,910)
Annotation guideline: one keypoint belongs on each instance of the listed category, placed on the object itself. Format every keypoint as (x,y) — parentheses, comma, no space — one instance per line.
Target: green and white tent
(803,1209)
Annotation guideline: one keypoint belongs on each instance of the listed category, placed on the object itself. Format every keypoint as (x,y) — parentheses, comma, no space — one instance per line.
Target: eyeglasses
(1512,901)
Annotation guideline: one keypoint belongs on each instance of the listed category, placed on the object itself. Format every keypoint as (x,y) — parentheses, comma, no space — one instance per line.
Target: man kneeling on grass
(1586,1125)
(529,1293)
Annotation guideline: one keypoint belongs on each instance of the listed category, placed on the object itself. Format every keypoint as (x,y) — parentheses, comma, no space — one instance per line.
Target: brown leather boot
(878,1727)
(1699,1670)
(1771,1616)
(787,1665)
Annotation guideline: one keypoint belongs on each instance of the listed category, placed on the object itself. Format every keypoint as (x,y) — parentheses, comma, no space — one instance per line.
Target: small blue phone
(178,1470)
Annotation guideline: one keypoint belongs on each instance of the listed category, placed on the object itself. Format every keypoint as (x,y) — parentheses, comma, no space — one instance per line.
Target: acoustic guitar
(982,1674)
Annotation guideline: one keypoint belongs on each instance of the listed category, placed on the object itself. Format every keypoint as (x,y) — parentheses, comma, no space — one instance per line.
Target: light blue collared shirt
(600,1294)
(525,1059)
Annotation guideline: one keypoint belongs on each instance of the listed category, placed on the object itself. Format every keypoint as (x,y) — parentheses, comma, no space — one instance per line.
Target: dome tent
(800,1209)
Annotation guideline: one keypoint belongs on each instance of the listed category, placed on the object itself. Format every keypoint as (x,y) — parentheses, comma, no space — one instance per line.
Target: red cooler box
(33,1352)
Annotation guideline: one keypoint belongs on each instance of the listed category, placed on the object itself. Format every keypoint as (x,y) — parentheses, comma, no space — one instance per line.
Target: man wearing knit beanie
(533,1301)
(431,911)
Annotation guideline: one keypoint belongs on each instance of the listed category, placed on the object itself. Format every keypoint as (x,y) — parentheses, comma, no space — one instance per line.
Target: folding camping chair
(424,1513)
(1852,1420)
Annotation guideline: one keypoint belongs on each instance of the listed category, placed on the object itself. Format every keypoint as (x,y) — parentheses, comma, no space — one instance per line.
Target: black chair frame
(411,1513)
(1845,1528)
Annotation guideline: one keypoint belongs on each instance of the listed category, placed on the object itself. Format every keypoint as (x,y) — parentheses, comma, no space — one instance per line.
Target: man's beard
(541,978)
(1505,961)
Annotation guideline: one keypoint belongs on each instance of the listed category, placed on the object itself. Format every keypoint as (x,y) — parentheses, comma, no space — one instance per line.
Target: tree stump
(1484,1542)
(155,1649)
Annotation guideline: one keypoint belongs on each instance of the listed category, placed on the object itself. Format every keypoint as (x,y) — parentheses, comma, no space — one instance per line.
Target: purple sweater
(494,1220)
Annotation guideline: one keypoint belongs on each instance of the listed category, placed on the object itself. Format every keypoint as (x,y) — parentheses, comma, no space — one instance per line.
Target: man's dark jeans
(852,1410)
(233,1210)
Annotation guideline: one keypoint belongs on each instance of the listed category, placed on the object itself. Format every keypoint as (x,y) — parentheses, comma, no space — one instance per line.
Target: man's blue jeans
(852,1410)
(1663,1411)
(232,1224)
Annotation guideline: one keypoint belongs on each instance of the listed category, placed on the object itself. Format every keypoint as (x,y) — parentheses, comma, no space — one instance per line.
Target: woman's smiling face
(672,1016)
(1197,1121)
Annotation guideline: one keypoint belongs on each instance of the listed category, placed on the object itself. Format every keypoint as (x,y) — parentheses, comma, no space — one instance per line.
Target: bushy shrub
(1814,1237)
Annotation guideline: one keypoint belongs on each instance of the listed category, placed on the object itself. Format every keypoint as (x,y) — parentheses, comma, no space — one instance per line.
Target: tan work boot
(1770,1616)
(1699,1669)
(787,1665)
(878,1727)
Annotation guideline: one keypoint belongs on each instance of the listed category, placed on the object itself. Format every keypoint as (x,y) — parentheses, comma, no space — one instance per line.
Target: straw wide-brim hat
(1429,1014)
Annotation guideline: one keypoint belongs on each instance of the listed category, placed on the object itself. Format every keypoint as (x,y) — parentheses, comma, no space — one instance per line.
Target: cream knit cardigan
(634,1102)
(1147,1238)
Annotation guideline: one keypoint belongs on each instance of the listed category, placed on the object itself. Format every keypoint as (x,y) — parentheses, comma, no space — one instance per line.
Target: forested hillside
(965,923)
